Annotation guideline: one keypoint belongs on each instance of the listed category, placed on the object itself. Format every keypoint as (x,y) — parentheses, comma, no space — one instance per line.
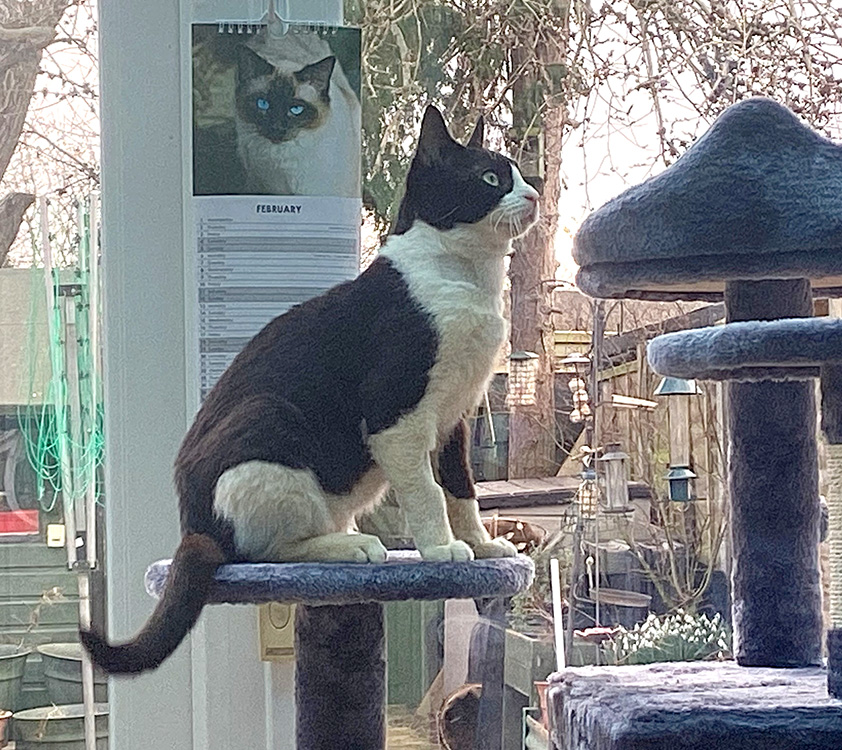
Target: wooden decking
(528,493)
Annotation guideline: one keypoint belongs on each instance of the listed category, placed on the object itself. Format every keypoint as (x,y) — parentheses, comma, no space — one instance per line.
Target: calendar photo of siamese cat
(267,109)
(363,388)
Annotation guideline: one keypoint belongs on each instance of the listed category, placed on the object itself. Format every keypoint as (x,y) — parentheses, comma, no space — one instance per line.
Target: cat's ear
(317,74)
(251,65)
(434,135)
(477,138)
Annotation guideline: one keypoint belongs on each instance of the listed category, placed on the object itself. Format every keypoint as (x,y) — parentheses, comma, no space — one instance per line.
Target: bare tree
(25,29)
(655,73)
(48,111)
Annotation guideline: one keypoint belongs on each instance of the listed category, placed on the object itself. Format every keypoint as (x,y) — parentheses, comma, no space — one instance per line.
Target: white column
(214,693)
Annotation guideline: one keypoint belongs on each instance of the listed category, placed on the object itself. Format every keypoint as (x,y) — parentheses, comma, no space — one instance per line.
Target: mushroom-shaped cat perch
(752,212)
(340,675)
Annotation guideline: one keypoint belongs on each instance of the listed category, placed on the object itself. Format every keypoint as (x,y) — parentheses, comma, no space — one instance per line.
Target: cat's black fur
(444,198)
(285,398)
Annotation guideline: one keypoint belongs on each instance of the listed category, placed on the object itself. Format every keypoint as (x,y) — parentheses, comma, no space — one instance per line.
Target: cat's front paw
(495,548)
(368,549)
(456,551)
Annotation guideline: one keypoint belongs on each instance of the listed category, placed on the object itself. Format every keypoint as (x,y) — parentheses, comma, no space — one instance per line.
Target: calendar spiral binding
(273,24)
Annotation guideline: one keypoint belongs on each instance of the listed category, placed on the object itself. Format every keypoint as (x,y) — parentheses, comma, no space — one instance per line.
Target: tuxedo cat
(364,387)
(293,106)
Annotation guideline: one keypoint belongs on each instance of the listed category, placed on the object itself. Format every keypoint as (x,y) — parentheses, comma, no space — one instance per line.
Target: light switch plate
(276,631)
(55,535)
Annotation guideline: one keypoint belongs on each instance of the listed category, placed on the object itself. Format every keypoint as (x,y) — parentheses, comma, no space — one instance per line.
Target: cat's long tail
(190,578)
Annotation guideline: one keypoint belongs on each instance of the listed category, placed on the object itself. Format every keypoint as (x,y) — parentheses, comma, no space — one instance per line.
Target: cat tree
(751,213)
(340,659)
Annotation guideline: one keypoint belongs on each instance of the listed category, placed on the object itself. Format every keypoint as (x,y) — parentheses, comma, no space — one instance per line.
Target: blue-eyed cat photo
(267,107)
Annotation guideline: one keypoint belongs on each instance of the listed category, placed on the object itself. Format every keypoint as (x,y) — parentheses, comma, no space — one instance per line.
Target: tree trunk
(12,208)
(533,266)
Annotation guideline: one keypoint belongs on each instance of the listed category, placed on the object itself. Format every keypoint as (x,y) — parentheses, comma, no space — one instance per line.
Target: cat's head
(280,105)
(449,184)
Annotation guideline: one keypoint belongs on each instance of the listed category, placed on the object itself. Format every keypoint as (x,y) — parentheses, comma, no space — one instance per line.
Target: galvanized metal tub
(63,674)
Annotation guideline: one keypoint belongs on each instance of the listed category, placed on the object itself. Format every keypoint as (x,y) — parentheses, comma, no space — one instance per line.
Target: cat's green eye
(296,109)
(491,178)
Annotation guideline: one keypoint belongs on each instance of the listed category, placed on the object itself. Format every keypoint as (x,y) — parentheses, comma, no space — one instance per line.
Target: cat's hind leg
(337,547)
(281,514)
(455,474)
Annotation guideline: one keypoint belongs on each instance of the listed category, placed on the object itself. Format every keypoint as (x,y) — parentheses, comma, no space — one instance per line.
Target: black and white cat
(293,104)
(364,387)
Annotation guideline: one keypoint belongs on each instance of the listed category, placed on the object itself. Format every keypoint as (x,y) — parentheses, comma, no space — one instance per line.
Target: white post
(60,398)
(96,369)
(213,694)
(558,625)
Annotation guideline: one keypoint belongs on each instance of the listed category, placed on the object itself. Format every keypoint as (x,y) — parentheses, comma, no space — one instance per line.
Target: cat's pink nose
(532,196)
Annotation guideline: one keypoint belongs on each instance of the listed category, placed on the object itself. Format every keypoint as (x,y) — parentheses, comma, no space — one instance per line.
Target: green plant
(677,637)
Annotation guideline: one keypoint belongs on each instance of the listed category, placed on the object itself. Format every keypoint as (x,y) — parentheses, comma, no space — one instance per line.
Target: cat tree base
(340,683)
(694,706)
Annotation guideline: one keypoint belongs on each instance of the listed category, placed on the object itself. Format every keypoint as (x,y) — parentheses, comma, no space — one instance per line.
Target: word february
(277,208)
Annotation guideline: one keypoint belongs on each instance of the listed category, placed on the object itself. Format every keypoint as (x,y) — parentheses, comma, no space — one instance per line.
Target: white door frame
(214,693)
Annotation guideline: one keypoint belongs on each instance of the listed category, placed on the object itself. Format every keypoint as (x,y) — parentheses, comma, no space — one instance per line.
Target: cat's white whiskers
(497,217)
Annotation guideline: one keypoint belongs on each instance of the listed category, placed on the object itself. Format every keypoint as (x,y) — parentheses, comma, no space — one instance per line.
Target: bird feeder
(581,400)
(588,494)
(750,213)
(523,375)
(616,478)
(581,411)
(680,476)
(579,363)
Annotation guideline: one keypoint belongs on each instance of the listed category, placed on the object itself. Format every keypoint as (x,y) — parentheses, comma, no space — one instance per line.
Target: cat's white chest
(464,302)
(471,331)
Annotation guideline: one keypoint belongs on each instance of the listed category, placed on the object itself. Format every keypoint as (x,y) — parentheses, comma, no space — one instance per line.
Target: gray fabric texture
(787,349)
(693,706)
(404,576)
(340,677)
(759,195)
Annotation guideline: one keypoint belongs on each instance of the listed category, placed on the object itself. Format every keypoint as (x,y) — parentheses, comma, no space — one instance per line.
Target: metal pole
(598,335)
(82,567)
(59,402)
(94,374)
(574,576)
(87,666)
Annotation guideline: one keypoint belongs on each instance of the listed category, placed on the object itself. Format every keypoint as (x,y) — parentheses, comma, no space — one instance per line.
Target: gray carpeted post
(340,677)
(831,382)
(774,497)
(489,734)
